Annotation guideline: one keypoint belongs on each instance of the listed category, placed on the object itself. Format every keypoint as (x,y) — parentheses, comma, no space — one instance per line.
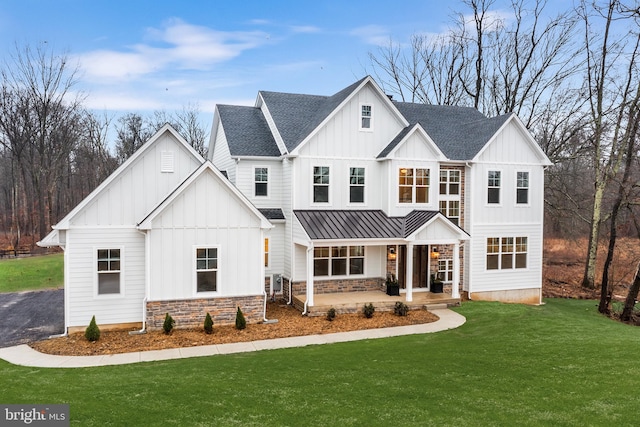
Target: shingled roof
(459,132)
(247,131)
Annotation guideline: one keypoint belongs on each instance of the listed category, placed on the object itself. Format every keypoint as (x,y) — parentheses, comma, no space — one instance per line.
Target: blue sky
(140,56)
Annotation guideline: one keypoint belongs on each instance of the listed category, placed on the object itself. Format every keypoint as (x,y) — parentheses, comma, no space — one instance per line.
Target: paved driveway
(30,316)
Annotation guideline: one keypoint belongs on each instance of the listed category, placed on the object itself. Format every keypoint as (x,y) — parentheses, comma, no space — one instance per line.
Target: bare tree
(187,123)
(133,130)
(611,81)
(38,84)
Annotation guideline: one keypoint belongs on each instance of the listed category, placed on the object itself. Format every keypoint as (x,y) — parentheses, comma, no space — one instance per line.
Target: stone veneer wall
(341,285)
(191,313)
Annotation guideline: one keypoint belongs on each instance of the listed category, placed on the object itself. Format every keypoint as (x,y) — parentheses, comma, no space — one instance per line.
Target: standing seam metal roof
(360,224)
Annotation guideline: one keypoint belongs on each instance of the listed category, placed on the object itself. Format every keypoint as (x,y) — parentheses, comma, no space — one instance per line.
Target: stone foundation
(191,313)
(341,285)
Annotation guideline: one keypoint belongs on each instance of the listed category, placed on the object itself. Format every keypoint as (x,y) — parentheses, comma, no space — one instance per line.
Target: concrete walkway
(26,356)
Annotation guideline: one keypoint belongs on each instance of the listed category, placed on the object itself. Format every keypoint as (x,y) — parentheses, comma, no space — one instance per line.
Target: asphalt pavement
(30,316)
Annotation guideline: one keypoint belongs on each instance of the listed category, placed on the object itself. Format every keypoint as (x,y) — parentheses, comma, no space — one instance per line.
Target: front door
(420,261)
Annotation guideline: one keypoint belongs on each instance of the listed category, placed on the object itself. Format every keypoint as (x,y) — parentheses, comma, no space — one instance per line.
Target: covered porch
(352,302)
(347,258)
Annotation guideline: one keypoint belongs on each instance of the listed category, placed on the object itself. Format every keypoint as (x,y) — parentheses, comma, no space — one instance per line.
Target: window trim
(348,257)
(364,186)
(528,188)
(96,273)
(448,209)
(500,253)
(313,186)
(361,117)
(499,187)
(448,183)
(414,186)
(448,270)
(255,182)
(194,264)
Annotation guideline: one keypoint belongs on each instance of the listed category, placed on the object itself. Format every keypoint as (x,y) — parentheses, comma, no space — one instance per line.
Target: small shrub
(400,309)
(241,323)
(368,310)
(331,314)
(92,333)
(168,324)
(208,324)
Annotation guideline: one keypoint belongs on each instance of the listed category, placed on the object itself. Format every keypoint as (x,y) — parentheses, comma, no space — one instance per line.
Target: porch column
(310,276)
(455,287)
(409,272)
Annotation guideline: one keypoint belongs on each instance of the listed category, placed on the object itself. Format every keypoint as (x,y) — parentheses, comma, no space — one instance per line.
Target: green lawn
(560,364)
(31,273)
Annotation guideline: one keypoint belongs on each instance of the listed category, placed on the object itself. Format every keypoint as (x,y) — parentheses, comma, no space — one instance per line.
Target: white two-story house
(308,196)
(360,188)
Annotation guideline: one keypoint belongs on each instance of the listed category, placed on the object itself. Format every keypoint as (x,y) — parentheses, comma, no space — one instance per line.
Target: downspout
(469,210)
(306,301)
(66,299)
(264,316)
(147,279)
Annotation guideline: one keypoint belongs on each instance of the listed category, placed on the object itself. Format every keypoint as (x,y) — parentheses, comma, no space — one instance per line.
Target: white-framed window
(109,269)
(413,185)
(504,253)
(338,261)
(366,115)
(522,188)
(266,252)
(445,270)
(450,182)
(356,185)
(493,187)
(206,269)
(321,184)
(451,209)
(261,181)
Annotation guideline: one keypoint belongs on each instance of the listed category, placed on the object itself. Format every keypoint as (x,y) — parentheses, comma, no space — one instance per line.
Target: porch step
(437,306)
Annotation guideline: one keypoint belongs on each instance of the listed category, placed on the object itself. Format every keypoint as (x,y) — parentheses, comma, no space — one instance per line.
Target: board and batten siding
(83,299)
(221,157)
(341,136)
(205,214)
(136,190)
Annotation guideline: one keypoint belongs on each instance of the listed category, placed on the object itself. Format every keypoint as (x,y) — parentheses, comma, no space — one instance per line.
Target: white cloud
(372,34)
(305,29)
(176,44)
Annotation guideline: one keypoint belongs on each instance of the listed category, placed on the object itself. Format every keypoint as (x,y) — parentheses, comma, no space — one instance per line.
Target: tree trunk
(588,280)
(630,302)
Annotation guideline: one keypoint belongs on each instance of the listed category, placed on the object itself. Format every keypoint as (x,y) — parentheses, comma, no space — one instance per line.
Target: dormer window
(365,117)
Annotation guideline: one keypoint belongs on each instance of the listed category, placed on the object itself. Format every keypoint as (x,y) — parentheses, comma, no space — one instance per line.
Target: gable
(205,200)
(138,184)
(439,229)
(415,144)
(341,134)
(512,143)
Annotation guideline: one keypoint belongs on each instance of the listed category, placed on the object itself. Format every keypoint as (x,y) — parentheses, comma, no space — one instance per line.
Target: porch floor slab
(352,302)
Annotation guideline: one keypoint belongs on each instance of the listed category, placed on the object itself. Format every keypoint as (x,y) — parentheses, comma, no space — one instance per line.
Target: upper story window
(450,182)
(505,253)
(522,188)
(451,209)
(413,185)
(261,181)
(207,269)
(108,268)
(266,252)
(356,185)
(493,187)
(321,184)
(365,116)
